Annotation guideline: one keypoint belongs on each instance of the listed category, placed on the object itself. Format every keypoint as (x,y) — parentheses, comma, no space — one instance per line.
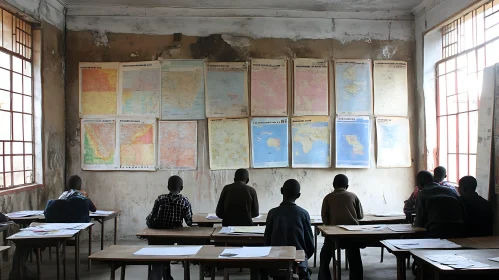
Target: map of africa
(353,87)
(98,89)
(311,137)
(137,144)
(311,90)
(182,83)
(140,88)
(228,143)
(353,142)
(269,142)
(227,90)
(177,145)
(394,145)
(269,87)
(98,144)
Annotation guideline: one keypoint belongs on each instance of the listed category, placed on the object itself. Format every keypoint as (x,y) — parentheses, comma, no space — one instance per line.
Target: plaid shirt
(168,212)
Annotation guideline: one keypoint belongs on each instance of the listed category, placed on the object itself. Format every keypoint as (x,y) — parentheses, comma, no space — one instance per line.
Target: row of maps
(125,144)
(194,89)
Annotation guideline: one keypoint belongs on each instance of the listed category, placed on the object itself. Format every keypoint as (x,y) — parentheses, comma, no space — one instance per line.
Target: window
(469,44)
(16,102)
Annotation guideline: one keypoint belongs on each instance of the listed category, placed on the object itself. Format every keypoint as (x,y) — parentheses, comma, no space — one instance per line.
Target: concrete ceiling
(305,5)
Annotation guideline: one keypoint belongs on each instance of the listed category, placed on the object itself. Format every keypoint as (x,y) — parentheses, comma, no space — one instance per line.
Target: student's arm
(254,206)
(187,213)
(325,212)
(220,206)
(358,209)
(269,227)
(309,238)
(91,206)
(151,219)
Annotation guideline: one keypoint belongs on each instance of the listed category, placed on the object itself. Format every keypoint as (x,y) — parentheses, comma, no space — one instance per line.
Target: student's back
(480,215)
(341,207)
(237,205)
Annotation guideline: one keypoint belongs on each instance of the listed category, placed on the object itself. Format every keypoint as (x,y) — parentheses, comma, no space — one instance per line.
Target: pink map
(269,90)
(311,91)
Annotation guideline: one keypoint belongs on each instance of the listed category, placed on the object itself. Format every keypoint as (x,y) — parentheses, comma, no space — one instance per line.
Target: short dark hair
(241,175)
(424,178)
(175,183)
(340,181)
(74,182)
(291,189)
(440,173)
(468,184)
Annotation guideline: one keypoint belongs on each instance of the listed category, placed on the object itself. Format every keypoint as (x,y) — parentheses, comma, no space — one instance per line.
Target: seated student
(289,225)
(341,207)
(438,209)
(74,190)
(439,174)
(238,202)
(169,211)
(480,216)
(410,205)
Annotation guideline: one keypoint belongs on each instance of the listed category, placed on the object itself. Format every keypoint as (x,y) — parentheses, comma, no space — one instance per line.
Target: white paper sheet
(494,259)
(169,251)
(401,228)
(21,214)
(246,252)
(54,233)
(389,214)
(102,213)
(408,244)
(59,226)
(251,230)
(446,258)
(363,227)
(468,264)
(212,216)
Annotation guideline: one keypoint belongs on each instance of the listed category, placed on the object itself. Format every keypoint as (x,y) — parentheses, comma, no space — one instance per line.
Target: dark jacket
(440,211)
(71,210)
(289,225)
(237,205)
(480,219)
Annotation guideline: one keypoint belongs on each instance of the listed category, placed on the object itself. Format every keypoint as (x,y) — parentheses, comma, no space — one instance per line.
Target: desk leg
(64,260)
(123,272)
(315,249)
(115,229)
(290,271)
(5,243)
(401,270)
(77,256)
(113,271)
(57,258)
(201,271)
(226,274)
(102,235)
(38,262)
(187,272)
(89,261)
(334,258)
(338,261)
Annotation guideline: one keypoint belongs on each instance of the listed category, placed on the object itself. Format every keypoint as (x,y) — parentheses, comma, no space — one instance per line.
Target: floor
(373,269)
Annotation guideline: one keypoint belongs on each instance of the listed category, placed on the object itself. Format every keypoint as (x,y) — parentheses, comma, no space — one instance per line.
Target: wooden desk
(101,219)
(26,221)
(367,238)
(237,239)
(279,258)
(184,235)
(202,221)
(121,256)
(489,242)
(375,220)
(403,254)
(440,271)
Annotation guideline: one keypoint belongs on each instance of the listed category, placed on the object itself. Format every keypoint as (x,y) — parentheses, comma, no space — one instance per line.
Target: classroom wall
(134,192)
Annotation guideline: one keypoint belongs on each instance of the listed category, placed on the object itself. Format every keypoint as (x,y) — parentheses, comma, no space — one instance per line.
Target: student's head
(175,184)
(467,185)
(340,182)
(423,178)
(290,190)
(74,183)
(440,174)
(242,175)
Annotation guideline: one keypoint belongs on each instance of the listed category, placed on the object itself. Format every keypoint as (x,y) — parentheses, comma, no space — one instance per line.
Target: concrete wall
(135,192)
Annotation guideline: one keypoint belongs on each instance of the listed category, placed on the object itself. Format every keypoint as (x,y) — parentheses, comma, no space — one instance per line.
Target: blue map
(227,94)
(269,142)
(311,138)
(353,142)
(353,88)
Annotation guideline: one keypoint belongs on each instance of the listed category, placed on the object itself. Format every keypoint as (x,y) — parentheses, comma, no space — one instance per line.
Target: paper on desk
(401,228)
(59,226)
(468,264)
(408,244)
(246,252)
(494,259)
(27,213)
(446,258)
(363,227)
(53,233)
(102,213)
(212,216)
(169,251)
(253,230)
(257,217)
(389,214)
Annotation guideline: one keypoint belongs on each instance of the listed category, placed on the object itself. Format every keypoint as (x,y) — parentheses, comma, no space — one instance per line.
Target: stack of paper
(409,244)
(401,228)
(246,252)
(363,227)
(169,251)
(243,230)
(21,214)
(389,214)
(212,216)
(455,261)
(102,213)
(51,233)
(57,226)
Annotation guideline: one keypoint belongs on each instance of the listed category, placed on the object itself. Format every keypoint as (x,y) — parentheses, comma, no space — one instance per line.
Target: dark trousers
(300,269)
(354,260)
(20,258)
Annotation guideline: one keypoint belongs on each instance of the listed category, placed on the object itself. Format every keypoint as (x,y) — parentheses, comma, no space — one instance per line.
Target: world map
(98,89)
(177,145)
(393,139)
(227,91)
(269,91)
(228,143)
(311,90)
(140,89)
(353,140)
(98,144)
(311,137)
(137,144)
(182,90)
(353,87)
(269,142)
